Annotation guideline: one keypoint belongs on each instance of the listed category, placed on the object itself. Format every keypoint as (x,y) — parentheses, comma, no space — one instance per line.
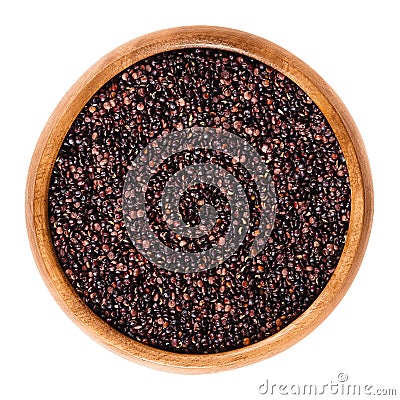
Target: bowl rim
(50,141)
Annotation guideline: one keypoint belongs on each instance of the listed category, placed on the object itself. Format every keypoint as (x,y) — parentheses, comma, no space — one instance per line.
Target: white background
(47,45)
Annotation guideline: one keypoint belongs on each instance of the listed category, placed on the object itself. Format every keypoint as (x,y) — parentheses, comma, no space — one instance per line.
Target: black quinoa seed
(242,301)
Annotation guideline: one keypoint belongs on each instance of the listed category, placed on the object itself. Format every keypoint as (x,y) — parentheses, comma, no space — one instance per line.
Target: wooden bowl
(67,110)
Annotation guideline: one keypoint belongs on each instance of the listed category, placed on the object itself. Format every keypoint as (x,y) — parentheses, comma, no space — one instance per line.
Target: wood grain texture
(67,110)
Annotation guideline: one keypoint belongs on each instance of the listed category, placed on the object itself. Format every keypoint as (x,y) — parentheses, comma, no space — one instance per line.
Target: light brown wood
(67,110)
